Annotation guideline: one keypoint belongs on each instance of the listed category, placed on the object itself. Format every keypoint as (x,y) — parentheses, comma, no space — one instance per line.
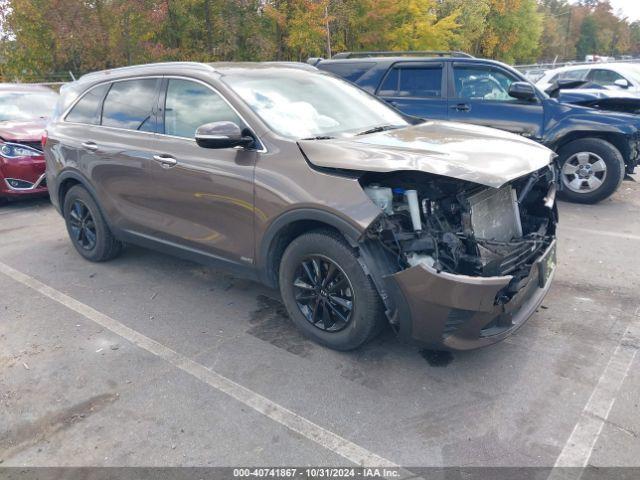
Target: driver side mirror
(622,83)
(221,135)
(522,91)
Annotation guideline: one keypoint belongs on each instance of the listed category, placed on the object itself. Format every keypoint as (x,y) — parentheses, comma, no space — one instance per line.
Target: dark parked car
(23,113)
(307,183)
(594,147)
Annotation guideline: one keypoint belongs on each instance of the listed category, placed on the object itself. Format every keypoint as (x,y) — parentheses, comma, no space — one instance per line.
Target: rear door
(416,88)
(118,153)
(478,94)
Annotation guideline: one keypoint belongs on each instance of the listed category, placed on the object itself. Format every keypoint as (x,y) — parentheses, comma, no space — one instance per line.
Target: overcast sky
(628,8)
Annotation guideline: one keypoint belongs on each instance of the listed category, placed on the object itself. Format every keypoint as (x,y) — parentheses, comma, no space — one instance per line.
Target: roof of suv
(165,67)
(400,58)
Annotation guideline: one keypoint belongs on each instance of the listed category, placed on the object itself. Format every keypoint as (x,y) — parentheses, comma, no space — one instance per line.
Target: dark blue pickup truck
(595,147)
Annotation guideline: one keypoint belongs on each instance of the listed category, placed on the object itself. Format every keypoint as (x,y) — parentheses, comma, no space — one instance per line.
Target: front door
(203,197)
(479,95)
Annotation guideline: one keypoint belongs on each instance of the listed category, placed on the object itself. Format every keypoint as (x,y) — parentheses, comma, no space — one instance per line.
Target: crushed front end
(464,265)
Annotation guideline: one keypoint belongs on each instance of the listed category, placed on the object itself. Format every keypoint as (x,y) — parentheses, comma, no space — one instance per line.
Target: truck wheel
(591,169)
(87,228)
(327,293)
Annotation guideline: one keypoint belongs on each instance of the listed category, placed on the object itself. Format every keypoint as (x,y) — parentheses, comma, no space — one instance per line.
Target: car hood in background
(603,99)
(26,131)
(467,152)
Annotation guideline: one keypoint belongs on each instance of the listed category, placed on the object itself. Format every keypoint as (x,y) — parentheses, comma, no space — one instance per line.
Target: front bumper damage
(458,312)
(467,266)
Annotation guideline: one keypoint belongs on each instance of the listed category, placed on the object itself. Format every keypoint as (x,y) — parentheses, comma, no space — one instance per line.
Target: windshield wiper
(379,128)
(319,137)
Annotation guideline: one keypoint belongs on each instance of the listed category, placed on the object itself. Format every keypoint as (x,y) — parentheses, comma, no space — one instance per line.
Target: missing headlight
(463,228)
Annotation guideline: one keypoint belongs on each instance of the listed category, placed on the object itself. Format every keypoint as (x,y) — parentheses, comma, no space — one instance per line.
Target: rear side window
(130,104)
(87,110)
(190,104)
(425,82)
(573,74)
(348,71)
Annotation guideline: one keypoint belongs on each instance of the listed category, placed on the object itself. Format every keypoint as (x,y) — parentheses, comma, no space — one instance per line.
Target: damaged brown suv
(360,215)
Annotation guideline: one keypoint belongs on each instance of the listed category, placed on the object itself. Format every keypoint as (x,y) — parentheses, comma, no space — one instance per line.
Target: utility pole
(207,20)
(326,23)
(566,39)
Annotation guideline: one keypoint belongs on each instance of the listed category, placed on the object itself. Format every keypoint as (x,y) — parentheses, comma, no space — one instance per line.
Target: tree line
(44,39)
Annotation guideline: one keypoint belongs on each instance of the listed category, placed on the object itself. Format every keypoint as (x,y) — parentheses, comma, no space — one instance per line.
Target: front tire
(327,293)
(591,169)
(87,228)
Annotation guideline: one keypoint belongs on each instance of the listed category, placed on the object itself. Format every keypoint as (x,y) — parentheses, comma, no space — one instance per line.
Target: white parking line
(291,420)
(579,447)
(626,236)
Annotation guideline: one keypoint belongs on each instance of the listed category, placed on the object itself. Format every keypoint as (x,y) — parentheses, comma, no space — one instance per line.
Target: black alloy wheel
(323,293)
(82,225)
(88,230)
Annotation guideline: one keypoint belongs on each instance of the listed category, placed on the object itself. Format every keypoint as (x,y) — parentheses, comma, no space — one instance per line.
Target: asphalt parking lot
(150,360)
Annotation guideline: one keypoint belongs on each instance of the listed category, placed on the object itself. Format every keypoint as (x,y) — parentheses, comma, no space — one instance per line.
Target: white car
(614,76)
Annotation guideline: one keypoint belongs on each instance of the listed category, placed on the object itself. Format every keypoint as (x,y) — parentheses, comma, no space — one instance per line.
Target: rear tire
(319,307)
(591,169)
(87,228)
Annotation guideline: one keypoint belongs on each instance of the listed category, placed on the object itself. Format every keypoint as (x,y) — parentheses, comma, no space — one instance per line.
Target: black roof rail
(434,53)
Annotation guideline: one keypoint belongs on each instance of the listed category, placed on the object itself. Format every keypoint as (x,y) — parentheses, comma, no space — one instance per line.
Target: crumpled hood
(26,131)
(467,152)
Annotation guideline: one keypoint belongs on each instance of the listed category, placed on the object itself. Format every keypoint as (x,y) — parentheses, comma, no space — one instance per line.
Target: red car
(24,110)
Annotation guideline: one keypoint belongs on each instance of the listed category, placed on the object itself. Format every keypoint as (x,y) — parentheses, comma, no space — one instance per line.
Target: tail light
(44,138)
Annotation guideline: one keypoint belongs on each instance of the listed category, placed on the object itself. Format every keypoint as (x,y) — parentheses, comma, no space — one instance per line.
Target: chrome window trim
(63,117)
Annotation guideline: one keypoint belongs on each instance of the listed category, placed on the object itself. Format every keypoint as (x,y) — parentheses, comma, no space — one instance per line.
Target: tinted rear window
(348,71)
(87,109)
(129,104)
(423,82)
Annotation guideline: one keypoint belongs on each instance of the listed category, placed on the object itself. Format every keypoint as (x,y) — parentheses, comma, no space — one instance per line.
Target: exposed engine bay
(461,227)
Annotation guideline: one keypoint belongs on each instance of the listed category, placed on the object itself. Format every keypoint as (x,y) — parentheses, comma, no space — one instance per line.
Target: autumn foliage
(46,39)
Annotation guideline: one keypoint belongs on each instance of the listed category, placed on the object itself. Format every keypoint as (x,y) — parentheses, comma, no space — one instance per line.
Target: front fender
(568,122)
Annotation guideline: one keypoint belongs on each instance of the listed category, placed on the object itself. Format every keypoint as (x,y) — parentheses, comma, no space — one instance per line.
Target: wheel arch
(618,140)
(287,227)
(70,178)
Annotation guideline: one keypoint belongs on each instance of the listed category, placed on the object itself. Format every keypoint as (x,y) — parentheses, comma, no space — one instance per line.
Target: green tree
(588,40)
(513,31)
(471,18)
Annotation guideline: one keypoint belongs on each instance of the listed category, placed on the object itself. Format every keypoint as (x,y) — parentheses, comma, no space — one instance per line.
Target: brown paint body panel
(467,152)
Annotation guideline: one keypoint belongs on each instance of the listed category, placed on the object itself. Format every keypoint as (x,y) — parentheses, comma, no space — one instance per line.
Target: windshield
(26,105)
(302,104)
(632,71)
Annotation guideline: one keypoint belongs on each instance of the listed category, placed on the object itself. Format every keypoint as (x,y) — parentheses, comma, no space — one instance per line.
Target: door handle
(91,146)
(165,160)
(462,107)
